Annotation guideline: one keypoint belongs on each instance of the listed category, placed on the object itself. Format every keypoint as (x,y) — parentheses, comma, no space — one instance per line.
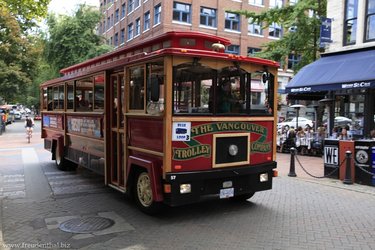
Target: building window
(256,2)
(123,10)
(108,22)
(276,3)
(181,12)
(116,40)
(130,31)
(274,30)
(293,60)
(146,21)
(117,15)
(233,49)
(130,5)
(112,20)
(104,27)
(208,17)
(370,20)
(122,38)
(254,28)
(137,3)
(252,51)
(137,27)
(232,21)
(350,23)
(157,14)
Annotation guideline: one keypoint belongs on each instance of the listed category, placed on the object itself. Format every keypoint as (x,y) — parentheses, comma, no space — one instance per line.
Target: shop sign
(356,85)
(331,155)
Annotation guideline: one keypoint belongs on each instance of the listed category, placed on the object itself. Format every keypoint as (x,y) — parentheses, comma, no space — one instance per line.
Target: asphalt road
(298,213)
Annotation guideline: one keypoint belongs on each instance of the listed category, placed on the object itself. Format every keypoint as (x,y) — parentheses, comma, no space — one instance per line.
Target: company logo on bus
(196,149)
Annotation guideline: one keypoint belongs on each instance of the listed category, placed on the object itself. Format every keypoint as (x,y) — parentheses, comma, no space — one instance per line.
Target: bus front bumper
(191,187)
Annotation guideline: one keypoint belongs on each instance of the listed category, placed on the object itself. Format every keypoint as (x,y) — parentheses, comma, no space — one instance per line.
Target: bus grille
(231,150)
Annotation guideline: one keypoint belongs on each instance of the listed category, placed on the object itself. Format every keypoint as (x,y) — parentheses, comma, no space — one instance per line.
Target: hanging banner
(325,31)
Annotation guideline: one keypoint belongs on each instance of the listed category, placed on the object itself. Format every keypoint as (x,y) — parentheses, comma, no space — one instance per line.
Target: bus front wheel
(243,197)
(143,194)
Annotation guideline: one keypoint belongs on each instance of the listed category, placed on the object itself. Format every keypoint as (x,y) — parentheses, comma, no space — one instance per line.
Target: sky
(67,7)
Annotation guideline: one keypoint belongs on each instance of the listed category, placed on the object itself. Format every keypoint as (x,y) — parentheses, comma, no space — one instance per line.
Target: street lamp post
(297,107)
(328,102)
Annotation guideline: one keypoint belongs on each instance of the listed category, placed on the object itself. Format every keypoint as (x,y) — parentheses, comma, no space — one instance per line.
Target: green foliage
(27,12)
(72,39)
(303,40)
(18,57)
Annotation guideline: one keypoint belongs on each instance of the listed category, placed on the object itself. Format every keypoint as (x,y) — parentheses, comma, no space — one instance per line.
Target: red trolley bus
(172,120)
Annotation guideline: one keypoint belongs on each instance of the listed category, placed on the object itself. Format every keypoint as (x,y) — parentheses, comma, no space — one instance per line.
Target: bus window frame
(67,95)
(88,108)
(94,90)
(128,91)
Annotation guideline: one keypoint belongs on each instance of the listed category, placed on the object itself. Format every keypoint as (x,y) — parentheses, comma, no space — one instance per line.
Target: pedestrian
(344,135)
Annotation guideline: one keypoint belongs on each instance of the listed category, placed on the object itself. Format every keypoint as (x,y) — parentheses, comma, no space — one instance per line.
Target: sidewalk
(315,166)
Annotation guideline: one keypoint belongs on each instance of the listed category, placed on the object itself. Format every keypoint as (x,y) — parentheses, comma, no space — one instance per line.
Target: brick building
(127,21)
(345,74)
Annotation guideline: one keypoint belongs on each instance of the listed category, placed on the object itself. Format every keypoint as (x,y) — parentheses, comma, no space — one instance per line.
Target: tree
(18,57)
(72,39)
(302,21)
(26,11)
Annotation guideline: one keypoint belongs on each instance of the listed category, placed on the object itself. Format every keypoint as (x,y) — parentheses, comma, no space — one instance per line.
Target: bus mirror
(155,92)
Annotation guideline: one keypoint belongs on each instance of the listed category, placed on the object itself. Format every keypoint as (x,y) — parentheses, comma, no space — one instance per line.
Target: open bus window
(137,91)
(99,92)
(192,84)
(84,96)
(70,95)
(230,96)
(155,79)
(261,93)
(50,98)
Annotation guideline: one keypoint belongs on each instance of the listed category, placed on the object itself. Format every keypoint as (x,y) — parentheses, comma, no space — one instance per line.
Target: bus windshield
(230,90)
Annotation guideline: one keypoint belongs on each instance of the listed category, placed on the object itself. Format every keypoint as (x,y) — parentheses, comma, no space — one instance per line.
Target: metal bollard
(348,171)
(292,170)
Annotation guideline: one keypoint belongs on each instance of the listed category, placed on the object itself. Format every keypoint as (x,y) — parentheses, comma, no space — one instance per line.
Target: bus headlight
(185,188)
(263,177)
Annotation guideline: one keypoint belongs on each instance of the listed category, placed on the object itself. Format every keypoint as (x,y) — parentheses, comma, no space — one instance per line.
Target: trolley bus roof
(192,44)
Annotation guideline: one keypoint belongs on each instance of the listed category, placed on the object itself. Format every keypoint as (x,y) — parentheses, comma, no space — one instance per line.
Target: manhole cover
(86,225)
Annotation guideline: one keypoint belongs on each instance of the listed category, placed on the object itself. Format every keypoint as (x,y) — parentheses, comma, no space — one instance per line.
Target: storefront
(346,83)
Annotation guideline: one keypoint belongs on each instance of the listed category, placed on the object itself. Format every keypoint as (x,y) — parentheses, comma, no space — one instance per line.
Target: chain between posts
(324,176)
(364,170)
(331,173)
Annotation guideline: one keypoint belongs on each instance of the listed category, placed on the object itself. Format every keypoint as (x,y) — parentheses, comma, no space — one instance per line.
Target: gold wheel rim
(144,191)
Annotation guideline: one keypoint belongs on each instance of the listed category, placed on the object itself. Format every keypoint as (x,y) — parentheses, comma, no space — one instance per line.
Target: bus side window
(84,94)
(137,91)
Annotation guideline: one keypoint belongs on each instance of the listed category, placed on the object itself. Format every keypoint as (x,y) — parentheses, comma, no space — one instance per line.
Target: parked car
(340,121)
(37,117)
(292,122)
(17,115)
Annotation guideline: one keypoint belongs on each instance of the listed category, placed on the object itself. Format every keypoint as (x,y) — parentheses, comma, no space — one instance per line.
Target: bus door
(117,136)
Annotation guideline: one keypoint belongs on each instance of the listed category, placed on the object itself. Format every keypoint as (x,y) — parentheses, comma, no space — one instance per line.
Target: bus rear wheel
(62,163)
(143,194)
